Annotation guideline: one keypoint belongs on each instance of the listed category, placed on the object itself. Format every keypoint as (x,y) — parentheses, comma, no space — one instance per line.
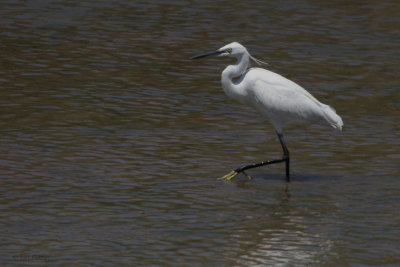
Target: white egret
(280,100)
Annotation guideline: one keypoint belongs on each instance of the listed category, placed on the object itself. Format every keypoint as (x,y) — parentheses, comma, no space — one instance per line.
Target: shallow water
(112,140)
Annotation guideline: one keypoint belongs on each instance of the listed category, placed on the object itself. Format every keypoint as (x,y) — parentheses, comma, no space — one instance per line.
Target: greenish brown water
(111,140)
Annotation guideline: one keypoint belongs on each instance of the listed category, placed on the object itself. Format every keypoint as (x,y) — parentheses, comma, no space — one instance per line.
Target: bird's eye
(229,50)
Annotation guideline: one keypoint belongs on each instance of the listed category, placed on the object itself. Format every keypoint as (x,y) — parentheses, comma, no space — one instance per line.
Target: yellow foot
(229,176)
(248,176)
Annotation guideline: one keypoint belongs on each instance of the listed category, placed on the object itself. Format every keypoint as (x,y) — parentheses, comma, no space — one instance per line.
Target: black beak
(208,54)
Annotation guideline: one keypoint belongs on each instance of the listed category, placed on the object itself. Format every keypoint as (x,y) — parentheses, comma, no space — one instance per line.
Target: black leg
(285,159)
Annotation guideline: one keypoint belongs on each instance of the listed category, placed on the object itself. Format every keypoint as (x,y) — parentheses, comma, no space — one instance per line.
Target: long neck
(231,88)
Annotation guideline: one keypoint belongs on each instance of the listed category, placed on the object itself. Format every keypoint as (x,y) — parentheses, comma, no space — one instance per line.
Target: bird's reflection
(279,235)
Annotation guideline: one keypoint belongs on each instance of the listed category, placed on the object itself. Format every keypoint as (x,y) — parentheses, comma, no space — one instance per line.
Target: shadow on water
(278,188)
(274,185)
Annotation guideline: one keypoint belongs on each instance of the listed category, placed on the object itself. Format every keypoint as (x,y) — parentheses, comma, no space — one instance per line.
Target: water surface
(111,139)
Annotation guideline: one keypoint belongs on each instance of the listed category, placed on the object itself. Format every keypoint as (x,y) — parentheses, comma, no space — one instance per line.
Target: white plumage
(277,98)
(274,96)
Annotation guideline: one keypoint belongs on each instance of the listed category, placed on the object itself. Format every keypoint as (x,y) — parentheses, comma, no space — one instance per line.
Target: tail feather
(332,118)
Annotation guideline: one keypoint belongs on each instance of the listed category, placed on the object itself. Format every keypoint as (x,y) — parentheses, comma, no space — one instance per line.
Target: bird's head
(233,49)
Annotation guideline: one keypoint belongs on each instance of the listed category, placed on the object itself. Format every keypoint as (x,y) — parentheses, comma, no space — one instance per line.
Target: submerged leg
(285,159)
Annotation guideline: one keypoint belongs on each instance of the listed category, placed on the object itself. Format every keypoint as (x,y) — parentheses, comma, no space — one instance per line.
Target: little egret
(280,100)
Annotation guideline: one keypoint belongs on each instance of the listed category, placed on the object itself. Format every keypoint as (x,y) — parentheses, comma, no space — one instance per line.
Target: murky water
(112,140)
